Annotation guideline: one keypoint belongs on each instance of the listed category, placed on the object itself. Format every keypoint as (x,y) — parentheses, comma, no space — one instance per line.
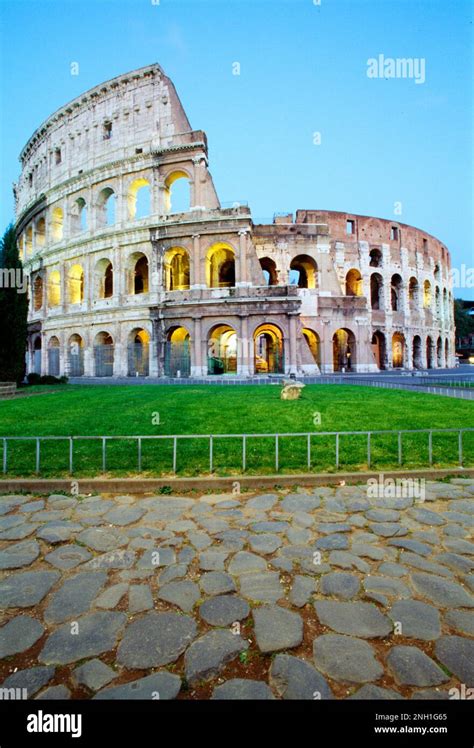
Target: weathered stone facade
(123,284)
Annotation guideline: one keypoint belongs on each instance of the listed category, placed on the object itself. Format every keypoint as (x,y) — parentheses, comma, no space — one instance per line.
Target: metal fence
(306,437)
(138,360)
(53,362)
(104,360)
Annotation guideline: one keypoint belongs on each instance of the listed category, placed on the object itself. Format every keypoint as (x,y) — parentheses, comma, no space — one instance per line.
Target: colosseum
(136,269)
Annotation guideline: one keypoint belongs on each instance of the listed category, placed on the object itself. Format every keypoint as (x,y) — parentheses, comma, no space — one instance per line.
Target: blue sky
(303,69)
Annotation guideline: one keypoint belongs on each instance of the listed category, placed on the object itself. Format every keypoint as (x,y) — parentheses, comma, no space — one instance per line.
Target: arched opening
(417,353)
(177,273)
(303,272)
(178,353)
(38,293)
(104,279)
(140,275)
(439,353)
(413,294)
(426,294)
(57,224)
(222,350)
(269,351)
(445,305)
(76,356)
(54,288)
(354,283)
(379,349)
(344,350)
(53,356)
(29,241)
(75,284)
(375,258)
(177,194)
(139,199)
(314,344)
(429,353)
(37,355)
(106,207)
(40,232)
(103,355)
(376,291)
(446,353)
(398,350)
(79,215)
(436,272)
(269,271)
(396,293)
(138,353)
(220,266)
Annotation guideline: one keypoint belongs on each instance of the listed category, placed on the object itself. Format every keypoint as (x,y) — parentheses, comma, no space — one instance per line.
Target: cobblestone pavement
(324,594)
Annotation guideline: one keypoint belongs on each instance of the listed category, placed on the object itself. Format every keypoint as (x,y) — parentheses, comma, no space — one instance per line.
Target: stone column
(197,369)
(197,281)
(292,345)
(245,360)
(242,279)
(153,357)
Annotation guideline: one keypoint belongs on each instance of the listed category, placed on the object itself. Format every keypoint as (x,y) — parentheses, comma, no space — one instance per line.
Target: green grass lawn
(131,410)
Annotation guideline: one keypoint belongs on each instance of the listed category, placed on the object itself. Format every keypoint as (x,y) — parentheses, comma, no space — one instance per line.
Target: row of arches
(102,210)
(418,294)
(224,350)
(436,352)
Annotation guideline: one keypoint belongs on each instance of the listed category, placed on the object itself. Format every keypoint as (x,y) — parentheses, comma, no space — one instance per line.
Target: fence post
(175,453)
(4,455)
(211,454)
(430,447)
(399,447)
(104,454)
(276,452)
(139,447)
(369,451)
(337,449)
(244,452)
(38,448)
(460,448)
(309,451)
(71,467)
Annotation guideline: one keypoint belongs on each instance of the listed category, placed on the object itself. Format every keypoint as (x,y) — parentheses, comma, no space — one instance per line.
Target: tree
(462,319)
(13,310)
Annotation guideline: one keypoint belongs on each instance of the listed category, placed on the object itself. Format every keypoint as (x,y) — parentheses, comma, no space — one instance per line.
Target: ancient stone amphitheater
(137,269)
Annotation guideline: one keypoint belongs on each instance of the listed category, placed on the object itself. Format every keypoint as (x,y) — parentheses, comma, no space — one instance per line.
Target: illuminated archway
(138,353)
(40,232)
(398,350)
(54,288)
(269,350)
(303,272)
(354,283)
(75,284)
(222,350)
(314,344)
(176,267)
(413,294)
(178,353)
(344,350)
(220,266)
(426,294)
(57,224)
